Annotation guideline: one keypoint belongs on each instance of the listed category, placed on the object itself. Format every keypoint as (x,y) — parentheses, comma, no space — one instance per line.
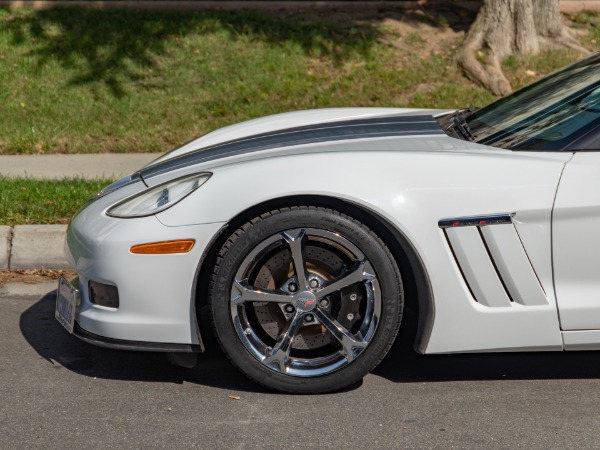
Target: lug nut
(324,303)
(314,283)
(350,316)
(309,318)
(289,309)
(353,297)
(292,287)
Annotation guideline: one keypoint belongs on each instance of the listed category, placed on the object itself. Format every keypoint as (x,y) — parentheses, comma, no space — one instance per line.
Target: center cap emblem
(306,301)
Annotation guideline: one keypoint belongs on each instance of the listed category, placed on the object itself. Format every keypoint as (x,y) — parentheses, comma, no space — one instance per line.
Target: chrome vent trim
(473,221)
(492,260)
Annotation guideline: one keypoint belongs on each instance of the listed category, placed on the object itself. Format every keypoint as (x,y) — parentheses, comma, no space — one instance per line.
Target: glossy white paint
(576,240)
(414,189)
(156,292)
(581,340)
(513,265)
(281,121)
(477,266)
(393,145)
(530,225)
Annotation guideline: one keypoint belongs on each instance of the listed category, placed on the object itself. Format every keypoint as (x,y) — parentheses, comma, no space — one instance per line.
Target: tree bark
(505,27)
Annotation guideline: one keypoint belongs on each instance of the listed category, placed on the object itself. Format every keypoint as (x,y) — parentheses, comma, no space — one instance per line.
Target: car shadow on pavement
(50,340)
(402,364)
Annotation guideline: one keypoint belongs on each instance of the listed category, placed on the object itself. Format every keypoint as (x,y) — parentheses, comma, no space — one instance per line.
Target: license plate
(66,304)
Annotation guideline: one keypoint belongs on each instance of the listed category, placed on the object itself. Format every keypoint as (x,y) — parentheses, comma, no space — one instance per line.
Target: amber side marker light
(163,248)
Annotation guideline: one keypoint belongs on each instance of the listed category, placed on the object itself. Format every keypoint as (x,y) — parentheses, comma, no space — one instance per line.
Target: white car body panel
(514,266)
(414,190)
(156,291)
(576,241)
(282,121)
(582,340)
(477,266)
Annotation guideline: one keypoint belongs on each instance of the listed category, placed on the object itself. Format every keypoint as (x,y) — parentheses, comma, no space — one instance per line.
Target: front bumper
(157,293)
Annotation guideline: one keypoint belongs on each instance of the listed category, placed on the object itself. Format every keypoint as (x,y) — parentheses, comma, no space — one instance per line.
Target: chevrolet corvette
(303,242)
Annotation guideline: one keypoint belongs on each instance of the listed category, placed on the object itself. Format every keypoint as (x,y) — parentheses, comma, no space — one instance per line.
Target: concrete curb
(5,244)
(41,246)
(33,247)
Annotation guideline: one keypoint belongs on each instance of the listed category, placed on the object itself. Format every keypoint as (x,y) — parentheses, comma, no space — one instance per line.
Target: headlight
(158,198)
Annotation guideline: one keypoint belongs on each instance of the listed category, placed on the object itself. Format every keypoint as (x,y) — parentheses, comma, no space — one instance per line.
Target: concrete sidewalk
(93,165)
(41,246)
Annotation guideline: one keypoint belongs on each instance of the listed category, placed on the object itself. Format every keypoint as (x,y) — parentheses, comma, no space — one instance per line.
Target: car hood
(297,129)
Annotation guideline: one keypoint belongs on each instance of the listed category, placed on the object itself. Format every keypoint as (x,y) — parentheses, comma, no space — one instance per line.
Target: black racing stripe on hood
(325,132)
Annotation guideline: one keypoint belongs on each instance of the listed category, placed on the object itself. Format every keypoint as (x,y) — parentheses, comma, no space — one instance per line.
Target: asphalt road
(58,392)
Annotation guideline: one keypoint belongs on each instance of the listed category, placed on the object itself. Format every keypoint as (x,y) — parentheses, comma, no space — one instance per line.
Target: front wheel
(305,299)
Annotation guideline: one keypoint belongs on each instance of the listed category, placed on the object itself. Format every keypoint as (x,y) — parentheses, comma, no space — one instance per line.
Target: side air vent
(493,262)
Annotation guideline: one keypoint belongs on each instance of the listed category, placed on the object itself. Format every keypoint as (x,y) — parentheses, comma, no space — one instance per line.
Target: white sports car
(301,238)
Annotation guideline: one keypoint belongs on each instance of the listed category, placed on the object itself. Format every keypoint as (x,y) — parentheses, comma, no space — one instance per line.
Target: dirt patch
(422,88)
(423,29)
(418,38)
(34,276)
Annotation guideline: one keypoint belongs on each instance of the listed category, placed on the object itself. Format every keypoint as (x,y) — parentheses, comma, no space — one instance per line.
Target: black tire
(282,328)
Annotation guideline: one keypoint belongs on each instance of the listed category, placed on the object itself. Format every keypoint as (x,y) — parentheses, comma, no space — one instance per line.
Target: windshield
(550,114)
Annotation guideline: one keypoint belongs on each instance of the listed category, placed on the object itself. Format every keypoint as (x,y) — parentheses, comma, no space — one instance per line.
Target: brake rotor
(276,271)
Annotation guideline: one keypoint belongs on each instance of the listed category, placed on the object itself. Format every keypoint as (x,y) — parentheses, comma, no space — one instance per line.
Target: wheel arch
(419,306)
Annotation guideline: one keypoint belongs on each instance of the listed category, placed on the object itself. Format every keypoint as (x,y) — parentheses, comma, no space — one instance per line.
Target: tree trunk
(505,27)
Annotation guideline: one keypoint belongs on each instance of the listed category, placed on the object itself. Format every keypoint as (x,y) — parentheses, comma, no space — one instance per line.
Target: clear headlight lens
(158,198)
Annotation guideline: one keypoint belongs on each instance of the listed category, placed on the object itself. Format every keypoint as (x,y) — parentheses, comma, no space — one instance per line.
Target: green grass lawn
(25,200)
(76,80)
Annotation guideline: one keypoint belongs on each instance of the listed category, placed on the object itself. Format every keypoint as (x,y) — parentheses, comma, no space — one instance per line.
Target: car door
(576,248)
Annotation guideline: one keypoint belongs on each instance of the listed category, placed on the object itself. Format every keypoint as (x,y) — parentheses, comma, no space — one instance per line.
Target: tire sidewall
(245,239)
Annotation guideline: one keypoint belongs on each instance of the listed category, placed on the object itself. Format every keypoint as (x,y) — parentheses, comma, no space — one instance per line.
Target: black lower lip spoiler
(119,344)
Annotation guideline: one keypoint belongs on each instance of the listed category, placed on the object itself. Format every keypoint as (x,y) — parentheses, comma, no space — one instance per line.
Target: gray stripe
(335,131)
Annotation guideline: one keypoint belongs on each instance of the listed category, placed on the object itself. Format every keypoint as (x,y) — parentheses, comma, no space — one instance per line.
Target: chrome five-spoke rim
(305,302)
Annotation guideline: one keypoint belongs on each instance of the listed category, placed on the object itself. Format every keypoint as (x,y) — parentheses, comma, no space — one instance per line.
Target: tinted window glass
(547,115)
